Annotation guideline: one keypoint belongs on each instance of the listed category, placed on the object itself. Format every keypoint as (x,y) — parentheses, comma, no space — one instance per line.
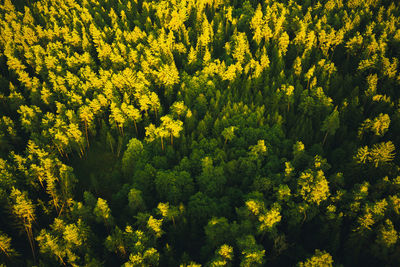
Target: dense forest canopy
(199,133)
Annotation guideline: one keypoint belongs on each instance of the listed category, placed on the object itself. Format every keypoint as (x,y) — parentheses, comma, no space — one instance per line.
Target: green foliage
(211,179)
(251,252)
(259,149)
(135,200)
(217,231)
(133,156)
(173,186)
(134,243)
(229,133)
(380,154)
(23,209)
(223,256)
(313,186)
(320,258)
(387,234)
(5,245)
(380,125)
(331,123)
(64,242)
(102,211)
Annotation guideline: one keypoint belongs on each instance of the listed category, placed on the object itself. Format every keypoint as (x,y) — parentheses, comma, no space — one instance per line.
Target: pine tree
(86,115)
(173,127)
(313,186)
(320,258)
(103,212)
(229,133)
(24,211)
(382,153)
(5,245)
(330,124)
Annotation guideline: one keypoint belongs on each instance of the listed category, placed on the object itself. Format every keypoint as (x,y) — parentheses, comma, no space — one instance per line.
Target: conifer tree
(24,211)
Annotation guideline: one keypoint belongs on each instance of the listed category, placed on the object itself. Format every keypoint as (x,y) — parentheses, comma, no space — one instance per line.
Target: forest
(199,133)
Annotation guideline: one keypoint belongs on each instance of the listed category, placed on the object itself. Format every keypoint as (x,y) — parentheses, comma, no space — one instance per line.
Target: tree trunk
(87,138)
(326,135)
(134,122)
(28,231)
(112,149)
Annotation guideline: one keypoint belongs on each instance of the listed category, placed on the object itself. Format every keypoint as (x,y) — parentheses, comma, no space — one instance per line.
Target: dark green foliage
(174,186)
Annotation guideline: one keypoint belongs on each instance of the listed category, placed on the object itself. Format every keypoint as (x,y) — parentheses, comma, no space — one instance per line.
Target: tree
(173,127)
(330,124)
(313,186)
(162,133)
(145,103)
(138,244)
(283,43)
(51,244)
(266,220)
(174,186)
(151,132)
(154,226)
(133,156)
(297,66)
(132,113)
(117,117)
(309,74)
(30,117)
(103,212)
(259,149)
(135,200)
(320,258)
(201,208)
(155,103)
(168,75)
(150,257)
(287,92)
(372,81)
(212,179)
(242,50)
(167,128)
(8,134)
(65,242)
(169,213)
(116,242)
(387,234)
(217,231)
(379,155)
(223,256)
(252,254)
(380,125)
(5,245)
(7,181)
(229,133)
(178,108)
(86,115)
(270,218)
(382,153)
(24,210)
